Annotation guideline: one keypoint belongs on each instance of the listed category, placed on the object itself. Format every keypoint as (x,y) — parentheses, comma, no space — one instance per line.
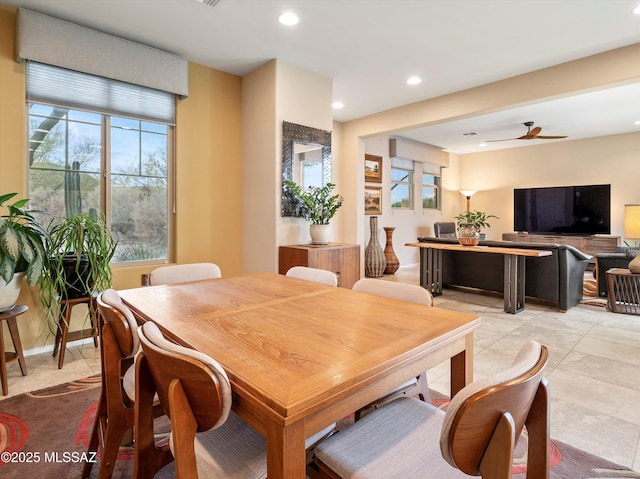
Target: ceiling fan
(532,134)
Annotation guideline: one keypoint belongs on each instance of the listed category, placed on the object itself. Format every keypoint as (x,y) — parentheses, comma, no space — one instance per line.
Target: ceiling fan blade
(550,137)
(506,139)
(534,131)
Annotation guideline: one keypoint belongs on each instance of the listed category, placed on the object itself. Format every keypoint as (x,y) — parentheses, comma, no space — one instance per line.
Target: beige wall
(208,177)
(603,160)
(274,93)
(599,71)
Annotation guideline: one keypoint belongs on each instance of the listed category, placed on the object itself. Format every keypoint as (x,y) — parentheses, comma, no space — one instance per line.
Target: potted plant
(78,250)
(317,205)
(470,223)
(21,250)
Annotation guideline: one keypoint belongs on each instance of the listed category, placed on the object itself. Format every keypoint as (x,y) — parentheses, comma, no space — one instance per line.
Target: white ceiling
(370,47)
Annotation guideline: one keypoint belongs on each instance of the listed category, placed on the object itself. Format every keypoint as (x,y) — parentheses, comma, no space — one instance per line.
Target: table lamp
(468,194)
(632,231)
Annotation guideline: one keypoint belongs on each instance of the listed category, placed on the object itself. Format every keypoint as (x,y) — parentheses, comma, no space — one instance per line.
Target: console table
(624,291)
(431,269)
(342,259)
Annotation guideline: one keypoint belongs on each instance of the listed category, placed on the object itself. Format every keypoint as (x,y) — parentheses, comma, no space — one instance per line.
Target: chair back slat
(119,319)
(200,382)
(389,289)
(474,419)
(182,273)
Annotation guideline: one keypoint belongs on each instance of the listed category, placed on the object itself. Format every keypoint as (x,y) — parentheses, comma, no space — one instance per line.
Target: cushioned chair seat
(408,424)
(234,451)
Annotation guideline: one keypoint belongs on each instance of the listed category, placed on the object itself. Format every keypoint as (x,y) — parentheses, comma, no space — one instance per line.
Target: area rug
(566,461)
(590,293)
(45,434)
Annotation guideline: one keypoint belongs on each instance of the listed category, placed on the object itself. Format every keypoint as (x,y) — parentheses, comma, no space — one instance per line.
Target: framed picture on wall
(372,200)
(373,168)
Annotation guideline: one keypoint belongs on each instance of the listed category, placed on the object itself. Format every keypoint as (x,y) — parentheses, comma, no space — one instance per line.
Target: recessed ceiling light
(337,105)
(637,10)
(636,122)
(414,80)
(482,145)
(288,18)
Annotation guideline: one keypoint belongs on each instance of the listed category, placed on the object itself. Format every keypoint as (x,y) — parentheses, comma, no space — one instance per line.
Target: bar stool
(63,336)
(8,357)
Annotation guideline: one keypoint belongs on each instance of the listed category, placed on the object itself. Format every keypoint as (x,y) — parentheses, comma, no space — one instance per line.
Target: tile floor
(594,368)
(593,371)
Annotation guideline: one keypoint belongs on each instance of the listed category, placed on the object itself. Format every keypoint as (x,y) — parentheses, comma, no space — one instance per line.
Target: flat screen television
(566,210)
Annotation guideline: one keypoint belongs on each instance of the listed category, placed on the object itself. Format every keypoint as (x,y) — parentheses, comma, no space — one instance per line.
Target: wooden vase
(390,255)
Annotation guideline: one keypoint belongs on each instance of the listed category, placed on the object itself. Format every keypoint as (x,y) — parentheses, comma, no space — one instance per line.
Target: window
(430,191)
(401,188)
(83,160)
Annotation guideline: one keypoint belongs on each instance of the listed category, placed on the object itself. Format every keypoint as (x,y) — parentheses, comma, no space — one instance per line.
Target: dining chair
(208,439)
(475,436)
(114,418)
(404,292)
(181,273)
(316,275)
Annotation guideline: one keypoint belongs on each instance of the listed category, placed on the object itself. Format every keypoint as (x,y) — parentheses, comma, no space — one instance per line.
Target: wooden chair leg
(94,440)
(497,460)
(184,426)
(538,428)
(148,459)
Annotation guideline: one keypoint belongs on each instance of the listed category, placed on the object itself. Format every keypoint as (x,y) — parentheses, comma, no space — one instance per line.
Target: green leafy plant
(78,250)
(21,242)
(316,204)
(476,219)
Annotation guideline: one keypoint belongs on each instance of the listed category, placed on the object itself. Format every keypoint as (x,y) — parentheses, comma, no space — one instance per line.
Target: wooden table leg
(462,367)
(286,457)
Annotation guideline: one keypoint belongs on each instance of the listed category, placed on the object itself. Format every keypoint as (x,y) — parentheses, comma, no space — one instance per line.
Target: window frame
(409,183)
(105,174)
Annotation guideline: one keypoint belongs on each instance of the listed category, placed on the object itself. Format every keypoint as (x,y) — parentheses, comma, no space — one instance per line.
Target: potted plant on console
(470,224)
(318,205)
(78,249)
(21,250)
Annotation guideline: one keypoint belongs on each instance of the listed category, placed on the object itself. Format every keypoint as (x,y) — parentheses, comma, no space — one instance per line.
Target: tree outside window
(81,161)
(430,191)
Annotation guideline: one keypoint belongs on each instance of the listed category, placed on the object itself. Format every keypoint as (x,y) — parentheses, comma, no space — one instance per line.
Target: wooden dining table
(300,355)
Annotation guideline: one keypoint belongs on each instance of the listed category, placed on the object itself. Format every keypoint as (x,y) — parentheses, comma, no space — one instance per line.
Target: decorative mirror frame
(293,133)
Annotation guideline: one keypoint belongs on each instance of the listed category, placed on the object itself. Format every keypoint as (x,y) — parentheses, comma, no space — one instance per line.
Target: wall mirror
(306,159)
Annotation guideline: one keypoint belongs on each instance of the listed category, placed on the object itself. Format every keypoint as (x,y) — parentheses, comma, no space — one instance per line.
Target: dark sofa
(556,278)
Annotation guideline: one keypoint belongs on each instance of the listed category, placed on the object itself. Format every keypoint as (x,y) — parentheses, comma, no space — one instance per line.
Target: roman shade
(57,42)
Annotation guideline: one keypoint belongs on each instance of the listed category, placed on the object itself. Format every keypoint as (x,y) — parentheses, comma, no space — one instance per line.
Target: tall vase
(389,254)
(374,260)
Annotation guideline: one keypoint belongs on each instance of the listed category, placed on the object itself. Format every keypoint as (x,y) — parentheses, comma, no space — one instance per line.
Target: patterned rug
(45,434)
(566,461)
(590,292)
